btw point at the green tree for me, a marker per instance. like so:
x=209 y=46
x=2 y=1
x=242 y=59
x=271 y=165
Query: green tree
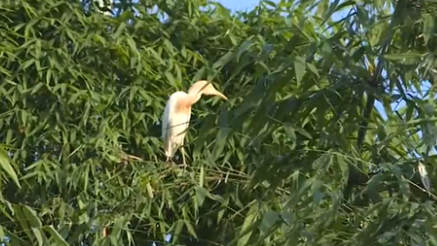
x=300 y=155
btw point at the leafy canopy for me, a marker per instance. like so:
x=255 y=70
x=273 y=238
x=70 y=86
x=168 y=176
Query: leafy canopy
x=331 y=110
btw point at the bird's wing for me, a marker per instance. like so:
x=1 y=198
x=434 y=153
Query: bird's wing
x=166 y=119
x=169 y=119
x=174 y=124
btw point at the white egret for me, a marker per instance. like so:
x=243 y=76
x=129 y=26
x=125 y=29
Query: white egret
x=177 y=113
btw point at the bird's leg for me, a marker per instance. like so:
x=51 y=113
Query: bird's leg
x=184 y=164
x=169 y=161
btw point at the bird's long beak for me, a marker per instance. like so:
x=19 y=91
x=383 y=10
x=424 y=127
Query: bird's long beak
x=217 y=93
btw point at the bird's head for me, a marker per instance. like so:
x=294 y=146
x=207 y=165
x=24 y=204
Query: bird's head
x=206 y=88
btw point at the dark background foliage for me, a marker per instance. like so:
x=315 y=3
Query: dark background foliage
x=332 y=108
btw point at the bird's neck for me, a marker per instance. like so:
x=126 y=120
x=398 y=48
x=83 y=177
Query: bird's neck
x=185 y=103
x=194 y=96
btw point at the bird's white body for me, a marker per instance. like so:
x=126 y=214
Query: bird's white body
x=174 y=123
x=177 y=113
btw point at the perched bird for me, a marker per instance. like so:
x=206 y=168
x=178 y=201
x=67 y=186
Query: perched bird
x=176 y=117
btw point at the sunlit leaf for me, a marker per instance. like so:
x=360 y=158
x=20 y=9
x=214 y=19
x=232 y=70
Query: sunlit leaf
x=7 y=167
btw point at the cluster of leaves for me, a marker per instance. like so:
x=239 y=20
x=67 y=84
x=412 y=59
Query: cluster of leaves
x=331 y=109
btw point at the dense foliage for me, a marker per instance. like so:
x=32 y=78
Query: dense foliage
x=332 y=107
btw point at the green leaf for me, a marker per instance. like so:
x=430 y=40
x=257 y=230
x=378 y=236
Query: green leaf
x=225 y=59
x=55 y=236
x=201 y=176
x=201 y=193
x=7 y=167
x=221 y=138
x=405 y=58
x=243 y=48
x=299 y=68
x=377 y=33
x=31 y=216
x=38 y=236
x=190 y=228
x=2 y=233
x=245 y=231
x=81 y=92
x=270 y=218
x=428 y=27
